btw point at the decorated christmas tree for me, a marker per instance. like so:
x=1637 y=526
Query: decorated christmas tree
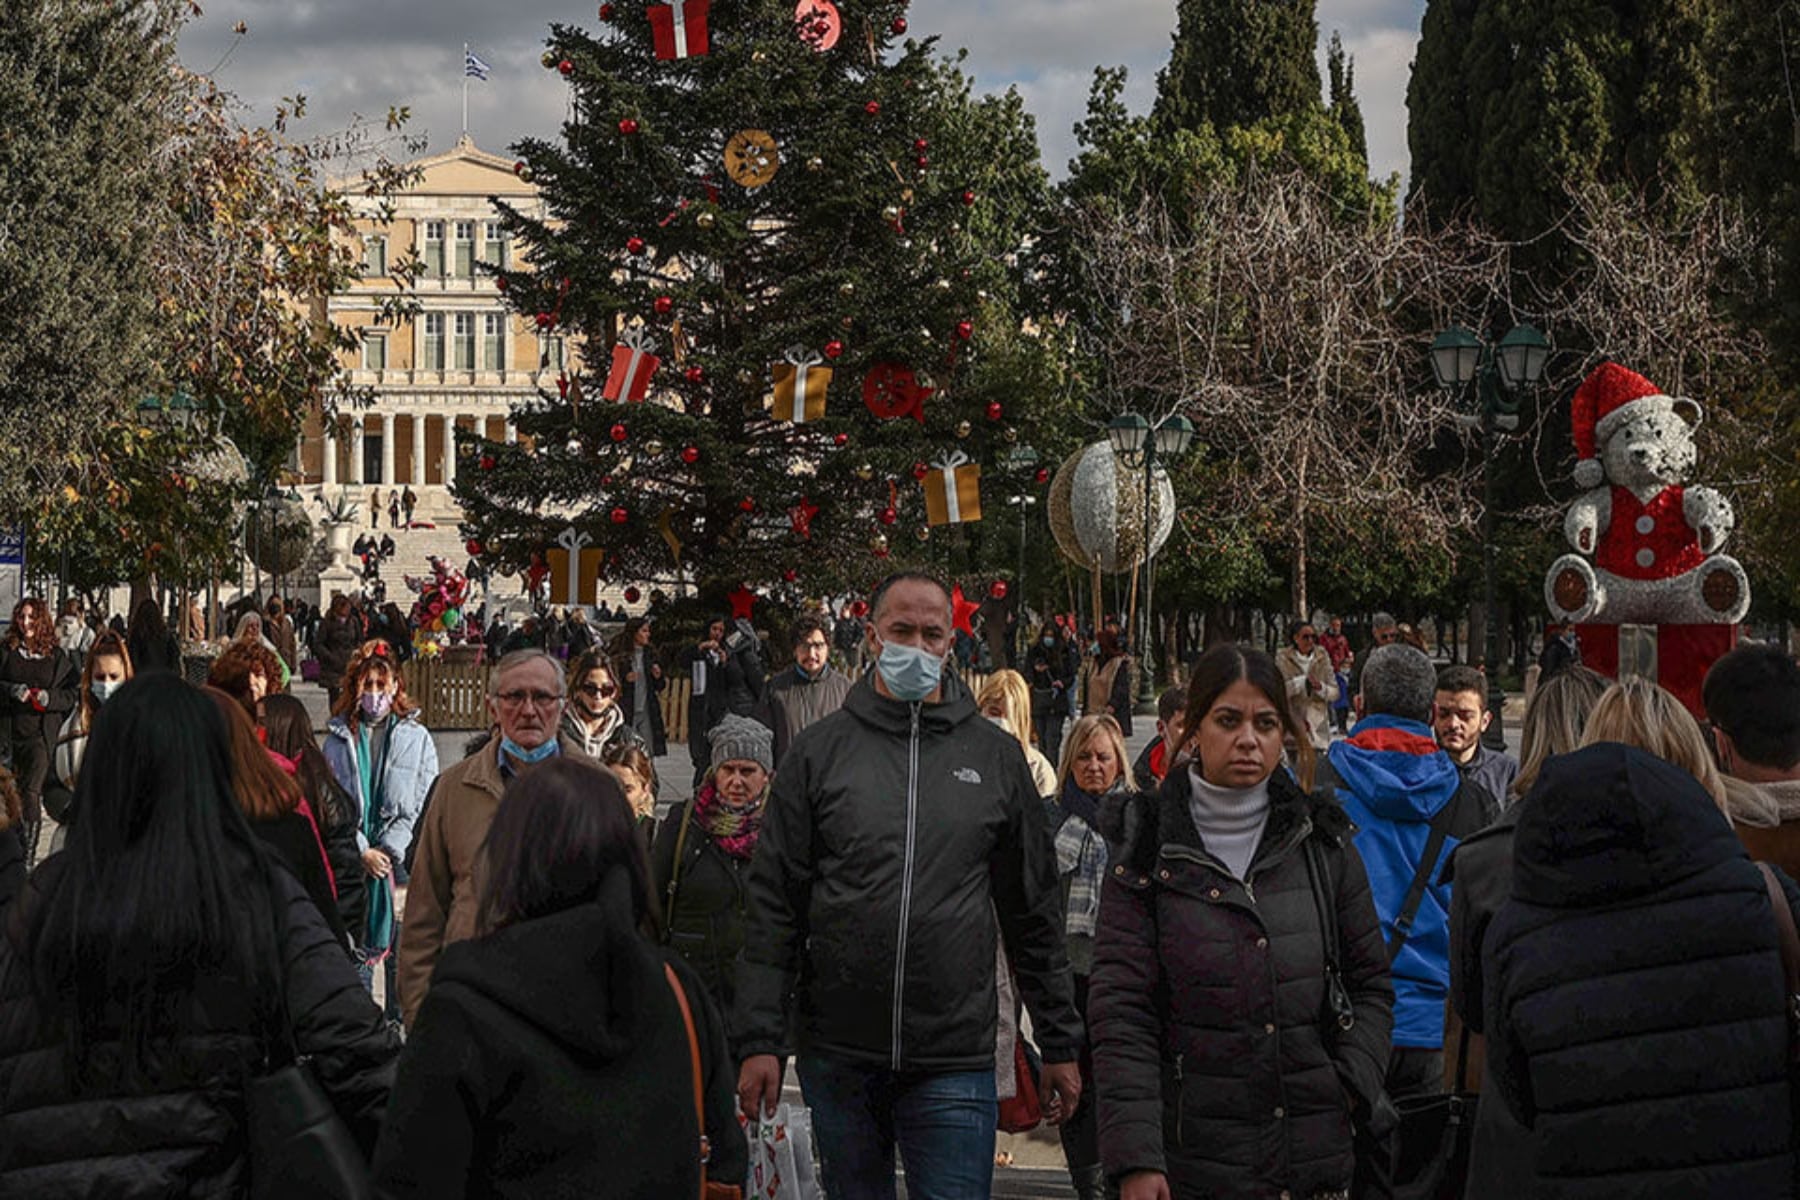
x=786 y=243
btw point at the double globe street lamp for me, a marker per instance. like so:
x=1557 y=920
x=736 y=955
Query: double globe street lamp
x=1139 y=445
x=1487 y=383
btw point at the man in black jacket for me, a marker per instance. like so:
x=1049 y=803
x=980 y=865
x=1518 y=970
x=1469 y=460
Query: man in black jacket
x=899 y=828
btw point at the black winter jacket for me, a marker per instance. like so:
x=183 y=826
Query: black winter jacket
x=181 y=1134
x=706 y=911
x=1635 y=997
x=892 y=828
x=1045 y=668
x=1207 y=999
x=550 y=1060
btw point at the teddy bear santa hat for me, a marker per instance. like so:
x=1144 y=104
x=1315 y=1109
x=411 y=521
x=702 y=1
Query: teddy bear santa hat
x=1610 y=396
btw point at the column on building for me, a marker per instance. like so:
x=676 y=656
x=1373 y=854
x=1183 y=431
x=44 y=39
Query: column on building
x=512 y=431
x=328 y=448
x=387 y=449
x=449 y=420
x=356 y=448
x=418 y=450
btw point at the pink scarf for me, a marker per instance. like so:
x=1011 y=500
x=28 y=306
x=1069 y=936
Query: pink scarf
x=734 y=827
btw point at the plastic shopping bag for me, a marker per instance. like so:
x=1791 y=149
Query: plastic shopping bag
x=781 y=1160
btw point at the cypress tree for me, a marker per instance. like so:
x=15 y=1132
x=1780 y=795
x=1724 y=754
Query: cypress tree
x=1440 y=126
x=1344 y=107
x=1237 y=62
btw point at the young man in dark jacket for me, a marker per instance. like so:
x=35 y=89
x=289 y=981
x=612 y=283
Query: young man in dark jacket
x=805 y=692
x=899 y=828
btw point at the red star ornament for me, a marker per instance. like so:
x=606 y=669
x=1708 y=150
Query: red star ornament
x=964 y=610
x=742 y=602
x=801 y=517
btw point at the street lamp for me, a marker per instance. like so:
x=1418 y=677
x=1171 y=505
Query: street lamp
x=1138 y=443
x=1486 y=381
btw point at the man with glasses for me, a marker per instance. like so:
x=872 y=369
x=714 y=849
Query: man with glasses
x=810 y=689
x=525 y=702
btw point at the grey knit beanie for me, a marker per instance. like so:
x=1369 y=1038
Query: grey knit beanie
x=741 y=738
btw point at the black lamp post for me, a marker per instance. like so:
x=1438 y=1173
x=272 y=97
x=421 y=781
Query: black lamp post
x=1141 y=445
x=1487 y=382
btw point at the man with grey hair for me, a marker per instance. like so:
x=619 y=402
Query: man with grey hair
x=525 y=703
x=1411 y=808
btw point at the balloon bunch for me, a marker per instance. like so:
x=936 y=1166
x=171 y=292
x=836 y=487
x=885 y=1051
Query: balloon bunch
x=437 y=617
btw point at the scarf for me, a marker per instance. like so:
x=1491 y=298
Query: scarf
x=1081 y=855
x=594 y=746
x=378 y=933
x=734 y=827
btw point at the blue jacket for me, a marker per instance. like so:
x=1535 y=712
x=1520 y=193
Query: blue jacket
x=1393 y=780
x=410 y=770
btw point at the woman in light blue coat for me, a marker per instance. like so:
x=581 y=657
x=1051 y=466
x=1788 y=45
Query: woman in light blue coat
x=382 y=754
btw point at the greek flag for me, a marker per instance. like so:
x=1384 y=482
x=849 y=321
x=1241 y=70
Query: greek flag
x=473 y=67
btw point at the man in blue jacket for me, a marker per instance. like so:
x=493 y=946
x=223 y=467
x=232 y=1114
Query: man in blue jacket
x=1411 y=809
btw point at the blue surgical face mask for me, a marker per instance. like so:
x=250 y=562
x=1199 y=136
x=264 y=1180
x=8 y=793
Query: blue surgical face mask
x=1048 y=640
x=528 y=756
x=103 y=689
x=910 y=673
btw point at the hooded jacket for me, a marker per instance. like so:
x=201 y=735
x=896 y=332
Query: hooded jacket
x=407 y=773
x=1393 y=781
x=1634 y=990
x=1208 y=997
x=895 y=833
x=550 y=1060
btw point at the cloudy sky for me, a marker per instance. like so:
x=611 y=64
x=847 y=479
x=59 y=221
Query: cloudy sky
x=361 y=56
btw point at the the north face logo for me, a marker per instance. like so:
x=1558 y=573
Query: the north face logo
x=967 y=774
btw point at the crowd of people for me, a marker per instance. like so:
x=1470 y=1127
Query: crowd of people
x=1240 y=964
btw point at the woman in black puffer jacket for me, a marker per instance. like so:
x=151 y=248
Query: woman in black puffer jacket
x=143 y=972
x=1635 y=1012
x=1209 y=999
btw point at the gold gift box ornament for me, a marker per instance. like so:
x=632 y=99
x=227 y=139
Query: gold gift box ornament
x=574 y=569
x=953 y=490
x=800 y=385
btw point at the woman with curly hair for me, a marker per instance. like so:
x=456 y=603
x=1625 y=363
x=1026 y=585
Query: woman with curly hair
x=12 y=850
x=38 y=687
x=247 y=672
x=380 y=752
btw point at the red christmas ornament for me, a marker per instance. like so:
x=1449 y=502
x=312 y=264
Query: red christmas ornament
x=500 y=282
x=965 y=330
x=634 y=245
x=800 y=517
x=628 y=126
x=920 y=145
x=889 y=516
x=892 y=390
x=1043 y=475
x=840 y=439
x=606 y=12
x=473 y=547
x=834 y=349
x=565 y=67
x=664 y=305
x=923 y=162
x=789 y=575
x=998 y=590
x=520 y=167
x=742 y=602
x=487 y=462
x=962 y=611
x=899 y=26
x=545 y=320
x=632 y=595
x=695 y=374
x=859 y=609
x=690 y=455
x=969 y=196
x=995 y=410
x=747 y=504
x=920 y=470
x=873 y=108
x=619 y=433
x=619 y=516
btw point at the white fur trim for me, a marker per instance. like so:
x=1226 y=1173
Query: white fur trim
x=1589 y=473
x=1603 y=428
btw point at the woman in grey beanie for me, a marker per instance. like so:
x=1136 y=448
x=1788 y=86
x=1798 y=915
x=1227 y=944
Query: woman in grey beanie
x=703 y=855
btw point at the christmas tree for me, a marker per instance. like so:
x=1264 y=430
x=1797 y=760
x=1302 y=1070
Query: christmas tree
x=787 y=244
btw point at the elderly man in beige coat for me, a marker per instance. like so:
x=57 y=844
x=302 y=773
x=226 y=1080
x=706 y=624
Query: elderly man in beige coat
x=525 y=700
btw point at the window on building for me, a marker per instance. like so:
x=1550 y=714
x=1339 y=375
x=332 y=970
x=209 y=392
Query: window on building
x=493 y=341
x=375 y=256
x=434 y=247
x=495 y=245
x=434 y=341
x=374 y=350
x=465 y=249
x=464 y=342
x=553 y=353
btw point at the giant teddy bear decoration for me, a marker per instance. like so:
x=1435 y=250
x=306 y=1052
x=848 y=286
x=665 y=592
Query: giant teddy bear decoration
x=1646 y=545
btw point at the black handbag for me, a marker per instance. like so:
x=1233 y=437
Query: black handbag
x=300 y=1148
x=1431 y=1152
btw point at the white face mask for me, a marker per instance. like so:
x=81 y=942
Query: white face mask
x=1002 y=723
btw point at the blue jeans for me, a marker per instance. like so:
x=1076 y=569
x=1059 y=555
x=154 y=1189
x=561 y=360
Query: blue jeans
x=943 y=1123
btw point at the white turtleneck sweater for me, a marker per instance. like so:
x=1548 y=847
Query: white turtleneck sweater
x=1230 y=820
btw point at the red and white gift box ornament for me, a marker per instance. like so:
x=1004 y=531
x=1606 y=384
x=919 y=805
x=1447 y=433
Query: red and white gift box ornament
x=679 y=28
x=800 y=385
x=953 y=490
x=632 y=365
x=574 y=568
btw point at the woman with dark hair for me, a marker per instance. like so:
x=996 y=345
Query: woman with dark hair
x=277 y=811
x=380 y=752
x=333 y=645
x=1109 y=687
x=1050 y=670
x=551 y=1056
x=152 y=646
x=288 y=736
x=394 y=629
x=107 y=669
x=12 y=850
x=38 y=687
x=640 y=685
x=1237 y=938
x=157 y=965
x=593 y=720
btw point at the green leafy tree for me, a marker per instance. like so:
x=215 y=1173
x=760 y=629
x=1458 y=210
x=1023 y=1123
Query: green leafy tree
x=1238 y=62
x=884 y=228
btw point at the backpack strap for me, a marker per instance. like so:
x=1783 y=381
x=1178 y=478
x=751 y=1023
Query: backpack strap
x=687 y=819
x=693 y=1041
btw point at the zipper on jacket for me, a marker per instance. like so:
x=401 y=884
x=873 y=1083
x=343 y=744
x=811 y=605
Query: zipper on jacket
x=1179 y=1090
x=906 y=878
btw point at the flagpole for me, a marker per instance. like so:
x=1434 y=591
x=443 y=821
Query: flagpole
x=465 y=79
